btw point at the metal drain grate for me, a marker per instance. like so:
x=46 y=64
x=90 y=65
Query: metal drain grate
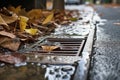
x=68 y=47
x=69 y=51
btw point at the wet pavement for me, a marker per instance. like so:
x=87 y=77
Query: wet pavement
x=105 y=64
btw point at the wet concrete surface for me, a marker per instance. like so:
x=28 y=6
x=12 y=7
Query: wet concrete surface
x=110 y=13
x=105 y=64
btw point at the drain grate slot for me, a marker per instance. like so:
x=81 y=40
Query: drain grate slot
x=68 y=47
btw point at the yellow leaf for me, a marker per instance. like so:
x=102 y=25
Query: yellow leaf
x=48 y=18
x=16 y=10
x=23 y=23
x=73 y=19
x=31 y=31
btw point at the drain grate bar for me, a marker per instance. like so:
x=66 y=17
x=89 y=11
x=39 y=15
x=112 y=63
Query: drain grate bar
x=68 y=47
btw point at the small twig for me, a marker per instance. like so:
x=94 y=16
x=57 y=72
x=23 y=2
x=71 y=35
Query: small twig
x=38 y=42
x=15 y=27
x=42 y=27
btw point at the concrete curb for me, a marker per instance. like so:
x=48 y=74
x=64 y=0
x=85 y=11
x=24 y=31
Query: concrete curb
x=84 y=63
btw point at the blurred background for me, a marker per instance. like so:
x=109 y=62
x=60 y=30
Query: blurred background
x=52 y=4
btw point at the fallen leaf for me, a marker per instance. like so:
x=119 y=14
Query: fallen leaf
x=48 y=18
x=9 y=59
x=23 y=23
x=4 y=39
x=2 y=22
x=31 y=31
x=34 y=13
x=15 y=10
x=24 y=37
x=23 y=12
x=14 y=58
x=4 y=33
x=9 y=19
x=12 y=44
x=19 y=55
x=45 y=13
x=41 y=27
x=49 y=48
x=73 y=19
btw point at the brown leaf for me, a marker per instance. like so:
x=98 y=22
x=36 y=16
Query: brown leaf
x=46 y=13
x=49 y=48
x=15 y=10
x=8 y=59
x=9 y=19
x=35 y=13
x=19 y=55
x=12 y=44
x=4 y=39
x=2 y=22
x=4 y=33
x=23 y=12
x=13 y=58
x=24 y=36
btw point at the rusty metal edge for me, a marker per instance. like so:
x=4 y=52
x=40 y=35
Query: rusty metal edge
x=80 y=49
x=84 y=63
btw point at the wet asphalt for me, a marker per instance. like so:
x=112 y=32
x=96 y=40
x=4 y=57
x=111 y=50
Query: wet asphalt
x=105 y=62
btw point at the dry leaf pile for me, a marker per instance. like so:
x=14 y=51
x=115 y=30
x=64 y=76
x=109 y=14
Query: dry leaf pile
x=18 y=26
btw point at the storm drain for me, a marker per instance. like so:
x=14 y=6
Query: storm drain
x=66 y=50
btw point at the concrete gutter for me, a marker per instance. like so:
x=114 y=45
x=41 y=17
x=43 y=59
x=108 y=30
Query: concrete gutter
x=84 y=63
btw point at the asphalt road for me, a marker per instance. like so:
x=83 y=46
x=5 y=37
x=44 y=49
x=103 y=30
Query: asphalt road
x=105 y=64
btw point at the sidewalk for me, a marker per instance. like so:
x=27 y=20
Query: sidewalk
x=105 y=64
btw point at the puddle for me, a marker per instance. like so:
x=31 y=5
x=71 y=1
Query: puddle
x=36 y=71
x=30 y=71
